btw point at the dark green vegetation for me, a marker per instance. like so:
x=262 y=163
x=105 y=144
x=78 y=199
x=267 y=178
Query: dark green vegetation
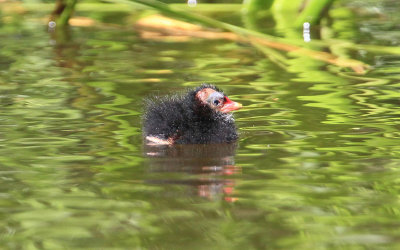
x=316 y=166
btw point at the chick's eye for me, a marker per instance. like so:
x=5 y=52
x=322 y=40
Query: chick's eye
x=216 y=102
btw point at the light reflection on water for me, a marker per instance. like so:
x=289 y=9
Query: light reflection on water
x=206 y=163
x=316 y=165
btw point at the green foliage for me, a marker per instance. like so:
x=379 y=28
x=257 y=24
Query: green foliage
x=313 y=12
x=63 y=12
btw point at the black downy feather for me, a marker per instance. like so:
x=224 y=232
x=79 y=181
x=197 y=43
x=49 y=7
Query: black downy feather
x=188 y=121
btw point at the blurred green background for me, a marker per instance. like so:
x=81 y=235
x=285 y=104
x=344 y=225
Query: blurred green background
x=316 y=165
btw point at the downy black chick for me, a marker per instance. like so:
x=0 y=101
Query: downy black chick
x=200 y=116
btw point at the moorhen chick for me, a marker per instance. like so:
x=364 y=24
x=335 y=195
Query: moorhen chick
x=198 y=117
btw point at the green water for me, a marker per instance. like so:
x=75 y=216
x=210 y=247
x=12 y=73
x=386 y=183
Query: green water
x=316 y=166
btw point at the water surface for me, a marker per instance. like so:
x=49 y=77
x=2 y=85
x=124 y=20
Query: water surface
x=316 y=166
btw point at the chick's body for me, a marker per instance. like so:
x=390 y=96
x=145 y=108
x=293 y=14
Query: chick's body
x=188 y=120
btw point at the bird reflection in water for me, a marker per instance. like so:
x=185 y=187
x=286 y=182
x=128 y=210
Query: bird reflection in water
x=211 y=167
